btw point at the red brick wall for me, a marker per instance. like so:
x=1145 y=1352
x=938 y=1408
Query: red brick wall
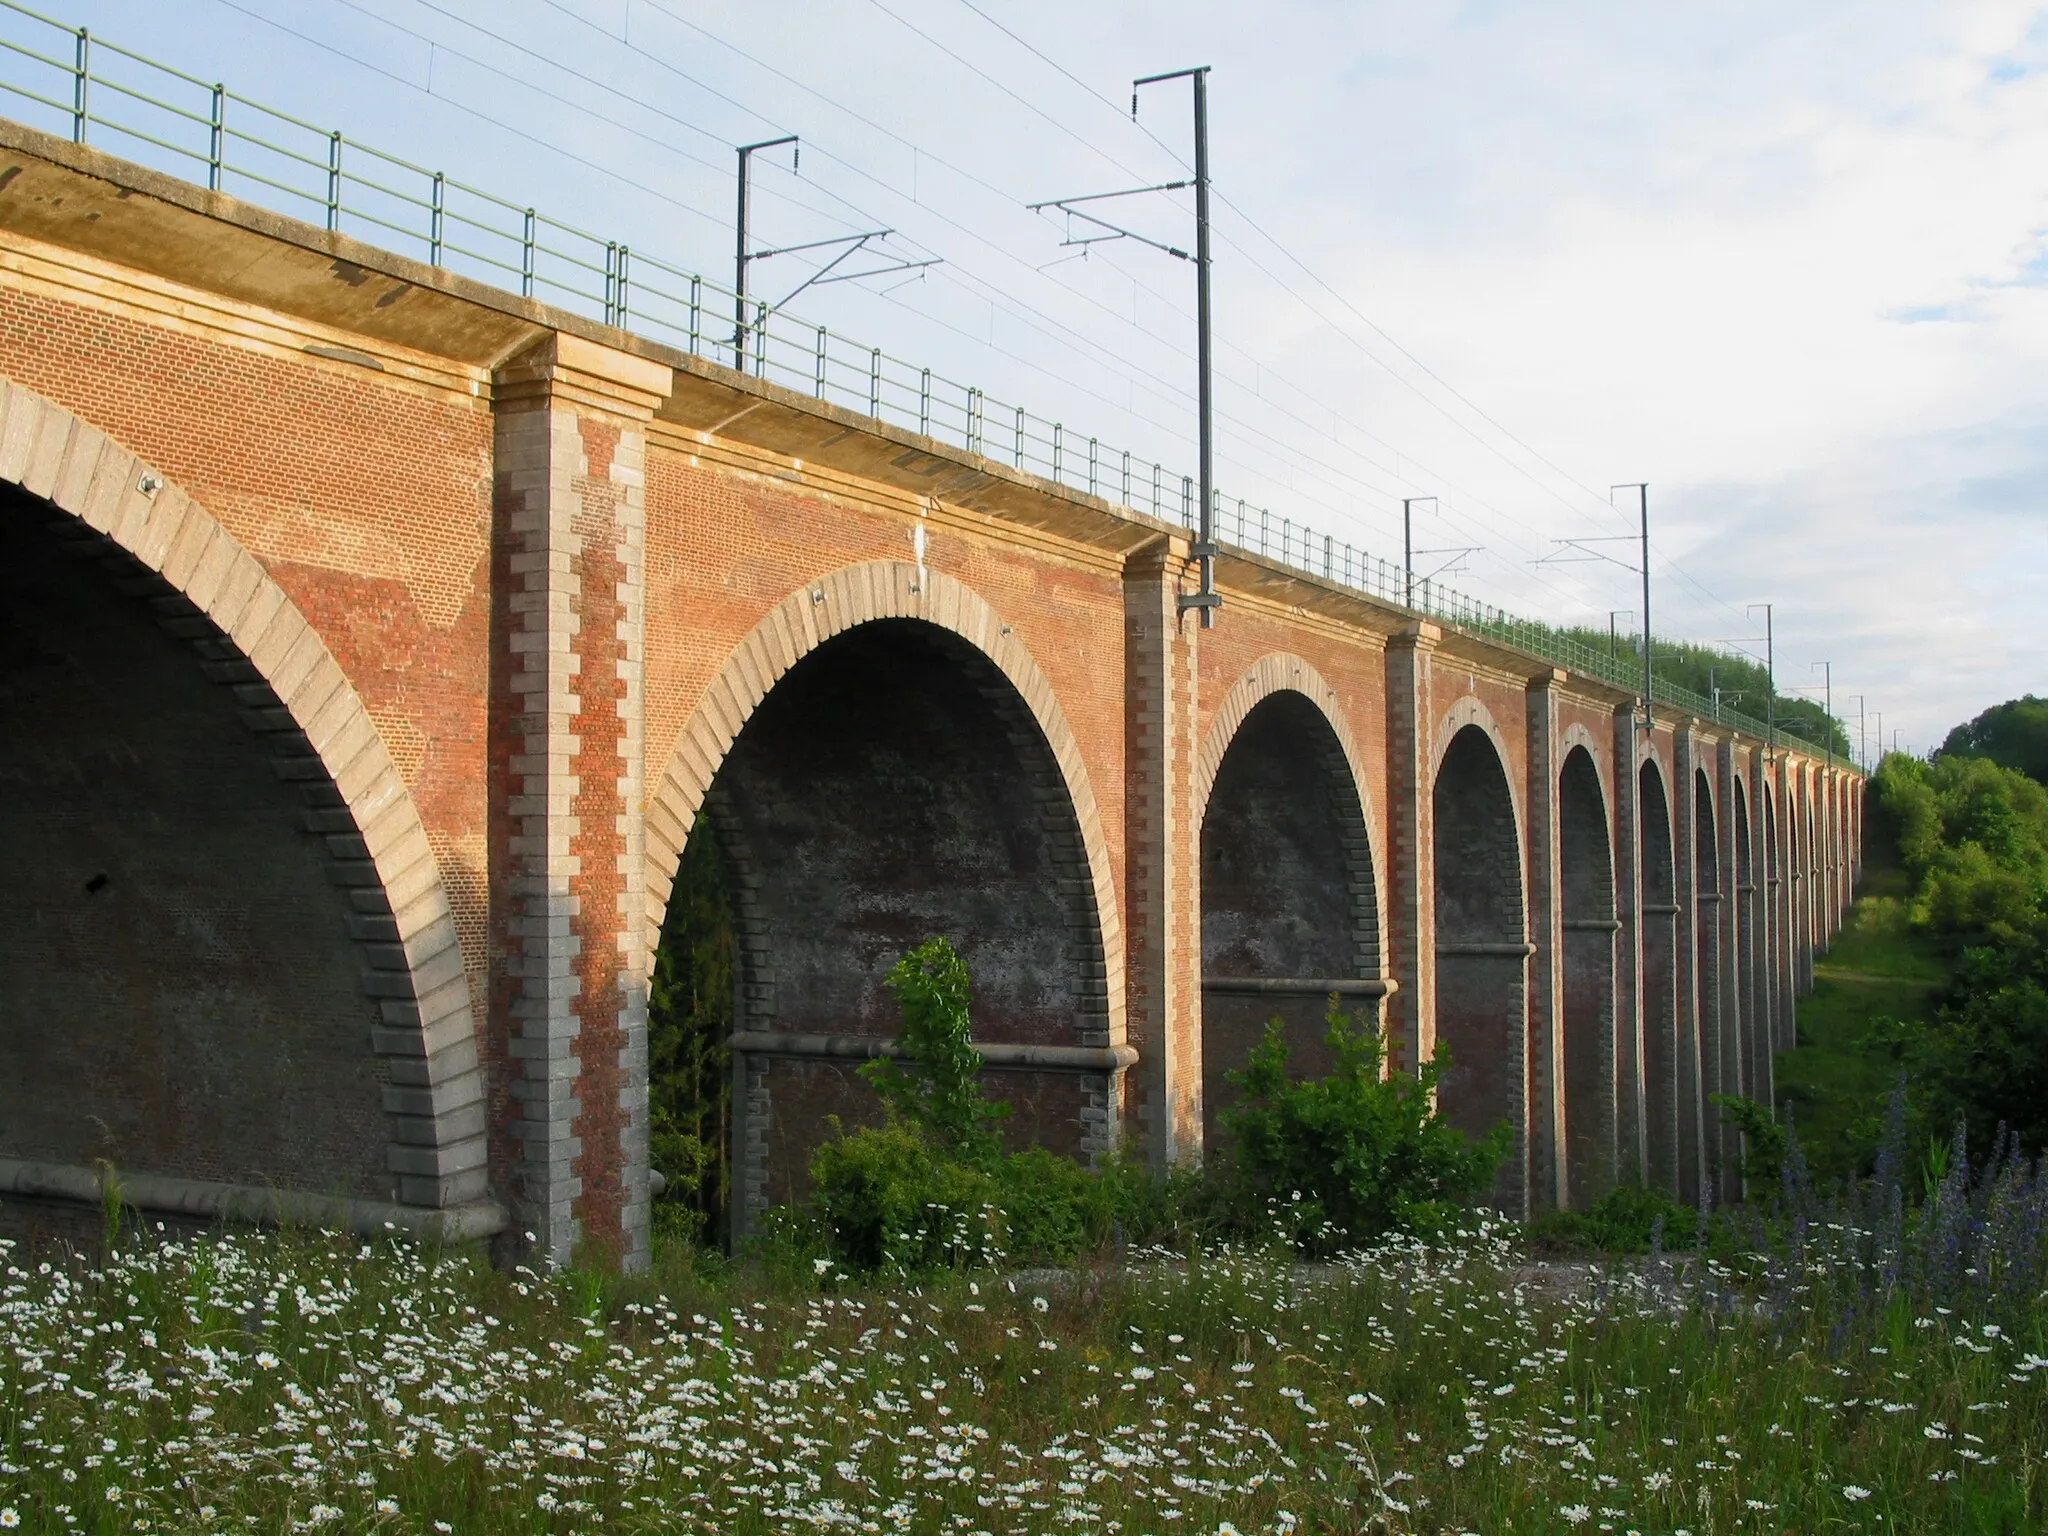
x=368 y=502
x=724 y=546
x=598 y=841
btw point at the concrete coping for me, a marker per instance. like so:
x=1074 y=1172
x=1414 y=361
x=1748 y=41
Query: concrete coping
x=994 y=1053
x=1302 y=986
x=205 y=1200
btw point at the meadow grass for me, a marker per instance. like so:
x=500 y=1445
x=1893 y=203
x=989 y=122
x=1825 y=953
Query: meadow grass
x=283 y=1382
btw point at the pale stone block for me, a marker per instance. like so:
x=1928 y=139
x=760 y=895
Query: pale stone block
x=285 y=629
x=19 y=410
x=46 y=452
x=82 y=455
x=181 y=561
x=293 y=664
x=239 y=583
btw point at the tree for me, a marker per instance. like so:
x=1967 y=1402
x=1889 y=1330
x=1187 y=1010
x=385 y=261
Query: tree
x=2013 y=734
x=1974 y=836
x=935 y=1085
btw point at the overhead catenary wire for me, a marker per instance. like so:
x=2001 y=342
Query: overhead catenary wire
x=1501 y=524
x=1107 y=355
x=1593 y=497
x=1333 y=474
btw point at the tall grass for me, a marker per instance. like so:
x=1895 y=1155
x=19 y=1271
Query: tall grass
x=1865 y=1368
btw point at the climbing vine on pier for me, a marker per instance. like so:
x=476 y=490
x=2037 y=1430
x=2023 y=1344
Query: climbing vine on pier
x=689 y=1063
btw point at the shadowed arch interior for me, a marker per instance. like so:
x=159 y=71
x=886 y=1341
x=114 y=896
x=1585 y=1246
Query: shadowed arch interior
x=1660 y=977
x=893 y=786
x=1586 y=873
x=1709 y=1054
x=1288 y=906
x=1753 y=1056
x=1482 y=951
x=181 y=977
x=1774 y=916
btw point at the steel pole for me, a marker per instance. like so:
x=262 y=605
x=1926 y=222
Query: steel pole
x=1770 y=685
x=740 y=256
x=1649 y=646
x=739 y=269
x=1205 y=550
x=1408 y=547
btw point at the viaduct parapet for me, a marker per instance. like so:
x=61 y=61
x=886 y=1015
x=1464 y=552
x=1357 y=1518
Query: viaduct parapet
x=373 y=642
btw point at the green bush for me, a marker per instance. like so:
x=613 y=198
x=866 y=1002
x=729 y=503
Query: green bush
x=931 y=1190
x=1344 y=1158
x=887 y=1200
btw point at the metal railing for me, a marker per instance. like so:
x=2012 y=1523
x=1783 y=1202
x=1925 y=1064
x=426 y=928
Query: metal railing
x=78 y=82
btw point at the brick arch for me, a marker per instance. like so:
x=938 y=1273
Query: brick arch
x=221 y=597
x=1577 y=735
x=805 y=620
x=1289 y=883
x=1469 y=711
x=1282 y=672
x=1587 y=930
x=1647 y=756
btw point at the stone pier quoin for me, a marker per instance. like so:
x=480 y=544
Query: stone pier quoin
x=396 y=636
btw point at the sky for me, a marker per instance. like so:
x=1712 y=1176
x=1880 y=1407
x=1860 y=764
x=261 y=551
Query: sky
x=1787 y=265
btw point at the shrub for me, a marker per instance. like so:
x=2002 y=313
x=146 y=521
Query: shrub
x=1344 y=1158
x=1629 y=1219
x=888 y=1200
x=1053 y=1209
x=931 y=1189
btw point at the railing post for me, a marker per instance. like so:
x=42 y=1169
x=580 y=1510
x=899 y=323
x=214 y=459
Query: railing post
x=611 y=279
x=761 y=339
x=216 y=138
x=625 y=319
x=875 y=382
x=1020 y=437
x=1155 y=487
x=973 y=420
x=1187 y=502
x=334 y=180
x=81 y=100
x=1091 y=466
x=924 y=404
x=434 y=222
x=821 y=363
x=526 y=256
x=1126 y=499
x=1059 y=434
x=696 y=312
x=1329 y=546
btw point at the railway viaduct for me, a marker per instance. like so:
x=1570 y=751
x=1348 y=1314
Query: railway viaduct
x=372 y=641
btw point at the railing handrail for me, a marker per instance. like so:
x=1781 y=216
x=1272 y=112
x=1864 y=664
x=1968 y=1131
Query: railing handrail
x=638 y=290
